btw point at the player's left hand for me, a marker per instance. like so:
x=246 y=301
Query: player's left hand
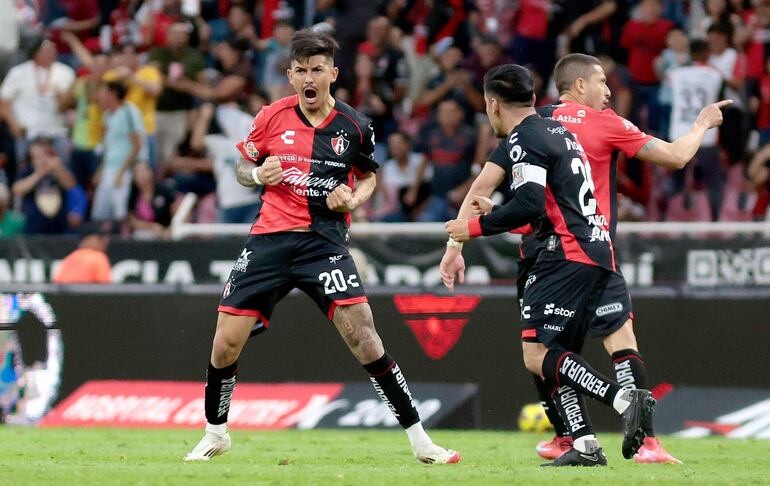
x=481 y=205
x=458 y=230
x=341 y=199
x=711 y=115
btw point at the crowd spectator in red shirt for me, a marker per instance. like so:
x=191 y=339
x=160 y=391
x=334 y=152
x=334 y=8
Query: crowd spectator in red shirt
x=158 y=23
x=645 y=38
x=82 y=19
x=532 y=44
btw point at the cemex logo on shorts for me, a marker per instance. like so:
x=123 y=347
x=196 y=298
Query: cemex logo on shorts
x=609 y=309
x=557 y=311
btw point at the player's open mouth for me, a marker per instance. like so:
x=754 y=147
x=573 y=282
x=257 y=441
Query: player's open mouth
x=311 y=94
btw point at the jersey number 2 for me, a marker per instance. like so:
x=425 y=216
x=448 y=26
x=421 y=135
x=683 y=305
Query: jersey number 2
x=587 y=201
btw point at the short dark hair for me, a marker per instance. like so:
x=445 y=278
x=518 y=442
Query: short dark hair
x=699 y=50
x=571 y=67
x=405 y=136
x=307 y=43
x=721 y=28
x=117 y=87
x=511 y=83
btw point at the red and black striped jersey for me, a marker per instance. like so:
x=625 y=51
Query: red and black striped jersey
x=314 y=160
x=574 y=228
x=601 y=135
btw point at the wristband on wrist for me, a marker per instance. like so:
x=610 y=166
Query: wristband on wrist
x=450 y=243
x=255 y=176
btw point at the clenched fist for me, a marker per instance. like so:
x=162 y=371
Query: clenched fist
x=458 y=230
x=481 y=205
x=341 y=199
x=270 y=172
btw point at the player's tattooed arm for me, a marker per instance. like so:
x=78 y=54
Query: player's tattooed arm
x=243 y=173
x=649 y=146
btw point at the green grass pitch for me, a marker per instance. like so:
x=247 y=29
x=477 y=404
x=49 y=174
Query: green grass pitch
x=325 y=457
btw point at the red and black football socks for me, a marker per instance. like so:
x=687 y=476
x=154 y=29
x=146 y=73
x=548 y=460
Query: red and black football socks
x=572 y=409
x=220 y=384
x=544 y=393
x=390 y=385
x=566 y=368
x=630 y=372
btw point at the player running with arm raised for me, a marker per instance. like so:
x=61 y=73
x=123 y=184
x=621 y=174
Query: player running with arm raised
x=307 y=150
x=602 y=133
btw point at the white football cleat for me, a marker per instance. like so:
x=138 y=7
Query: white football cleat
x=434 y=454
x=210 y=445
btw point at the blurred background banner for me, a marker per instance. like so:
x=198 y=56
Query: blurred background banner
x=394 y=261
x=738 y=413
x=159 y=333
x=259 y=406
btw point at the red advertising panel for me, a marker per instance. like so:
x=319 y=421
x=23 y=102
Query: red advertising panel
x=161 y=404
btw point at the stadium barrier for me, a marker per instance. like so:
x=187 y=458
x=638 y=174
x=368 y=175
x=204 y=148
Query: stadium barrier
x=164 y=332
x=740 y=263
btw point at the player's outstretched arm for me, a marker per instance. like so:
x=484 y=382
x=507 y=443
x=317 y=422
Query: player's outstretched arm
x=452 y=263
x=676 y=154
x=528 y=204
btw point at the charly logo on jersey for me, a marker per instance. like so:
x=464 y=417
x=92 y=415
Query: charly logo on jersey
x=288 y=137
x=340 y=143
x=251 y=150
x=335 y=258
x=243 y=261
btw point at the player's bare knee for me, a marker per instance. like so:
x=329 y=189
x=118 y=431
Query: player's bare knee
x=225 y=350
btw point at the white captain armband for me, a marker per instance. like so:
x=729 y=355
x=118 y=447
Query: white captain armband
x=524 y=172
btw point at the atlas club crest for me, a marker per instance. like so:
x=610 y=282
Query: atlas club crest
x=340 y=143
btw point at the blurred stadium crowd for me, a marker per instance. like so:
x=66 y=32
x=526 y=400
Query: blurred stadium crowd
x=112 y=109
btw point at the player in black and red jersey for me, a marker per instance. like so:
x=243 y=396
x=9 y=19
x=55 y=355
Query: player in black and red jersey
x=553 y=191
x=313 y=156
x=602 y=134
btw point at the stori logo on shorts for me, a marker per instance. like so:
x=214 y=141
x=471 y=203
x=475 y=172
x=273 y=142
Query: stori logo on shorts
x=558 y=311
x=609 y=309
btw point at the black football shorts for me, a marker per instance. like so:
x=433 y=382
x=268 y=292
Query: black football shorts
x=271 y=265
x=606 y=315
x=557 y=301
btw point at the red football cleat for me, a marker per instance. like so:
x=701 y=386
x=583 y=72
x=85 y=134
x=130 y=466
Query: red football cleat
x=554 y=448
x=652 y=452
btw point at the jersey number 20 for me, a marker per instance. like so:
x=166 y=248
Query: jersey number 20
x=587 y=201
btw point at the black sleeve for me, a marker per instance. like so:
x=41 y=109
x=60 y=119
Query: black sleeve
x=365 y=161
x=528 y=204
x=499 y=156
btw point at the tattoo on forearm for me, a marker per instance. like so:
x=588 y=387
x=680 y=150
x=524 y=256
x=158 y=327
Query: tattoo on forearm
x=649 y=145
x=243 y=173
